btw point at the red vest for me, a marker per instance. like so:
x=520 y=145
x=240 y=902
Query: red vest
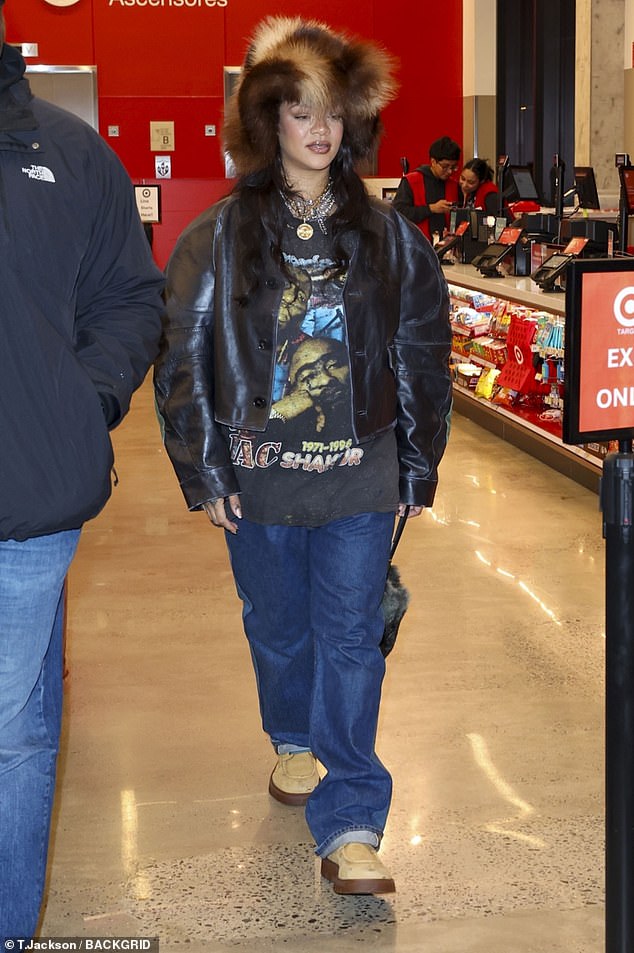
x=416 y=182
x=484 y=189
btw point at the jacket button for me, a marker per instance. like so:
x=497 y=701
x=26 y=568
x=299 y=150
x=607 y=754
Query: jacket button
x=259 y=402
x=264 y=345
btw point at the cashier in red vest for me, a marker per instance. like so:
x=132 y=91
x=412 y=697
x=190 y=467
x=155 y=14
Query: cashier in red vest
x=477 y=188
x=427 y=195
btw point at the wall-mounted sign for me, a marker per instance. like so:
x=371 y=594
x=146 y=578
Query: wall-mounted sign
x=599 y=352
x=162 y=136
x=61 y=3
x=163 y=167
x=148 y=202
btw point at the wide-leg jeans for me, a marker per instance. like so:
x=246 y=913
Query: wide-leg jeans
x=32 y=577
x=312 y=615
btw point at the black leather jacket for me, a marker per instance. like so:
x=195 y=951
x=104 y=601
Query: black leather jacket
x=217 y=354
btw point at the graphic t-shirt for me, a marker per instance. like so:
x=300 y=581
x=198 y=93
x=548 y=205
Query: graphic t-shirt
x=306 y=468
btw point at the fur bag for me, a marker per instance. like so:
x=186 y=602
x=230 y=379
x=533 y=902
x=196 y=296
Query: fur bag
x=394 y=605
x=395 y=596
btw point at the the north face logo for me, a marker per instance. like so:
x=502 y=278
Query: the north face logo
x=39 y=172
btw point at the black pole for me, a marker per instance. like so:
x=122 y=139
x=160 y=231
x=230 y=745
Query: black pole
x=623 y=218
x=557 y=181
x=500 y=176
x=617 y=503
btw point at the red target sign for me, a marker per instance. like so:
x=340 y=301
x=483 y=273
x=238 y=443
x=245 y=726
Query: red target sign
x=624 y=307
x=599 y=396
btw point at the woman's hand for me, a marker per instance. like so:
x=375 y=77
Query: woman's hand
x=413 y=510
x=217 y=513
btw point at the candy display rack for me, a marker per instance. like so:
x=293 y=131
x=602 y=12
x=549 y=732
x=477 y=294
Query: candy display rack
x=507 y=358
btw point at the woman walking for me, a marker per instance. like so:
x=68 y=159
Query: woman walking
x=304 y=389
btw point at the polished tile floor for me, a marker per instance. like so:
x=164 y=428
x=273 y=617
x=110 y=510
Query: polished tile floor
x=492 y=725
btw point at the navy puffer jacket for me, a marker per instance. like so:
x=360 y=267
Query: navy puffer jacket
x=80 y=304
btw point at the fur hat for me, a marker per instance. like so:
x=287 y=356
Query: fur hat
x=294 y=60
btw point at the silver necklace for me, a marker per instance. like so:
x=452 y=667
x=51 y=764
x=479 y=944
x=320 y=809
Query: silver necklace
x=315 y=210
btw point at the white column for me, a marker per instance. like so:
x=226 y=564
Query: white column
x=583 y=80
x=601 y=37
x=479 y=28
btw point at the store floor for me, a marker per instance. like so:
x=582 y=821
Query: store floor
x=491 y=725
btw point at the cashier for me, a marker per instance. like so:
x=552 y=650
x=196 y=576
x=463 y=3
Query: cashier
x=477 y=188
x=427 y=195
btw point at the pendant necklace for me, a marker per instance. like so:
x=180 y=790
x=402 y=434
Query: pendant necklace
x=316 y=210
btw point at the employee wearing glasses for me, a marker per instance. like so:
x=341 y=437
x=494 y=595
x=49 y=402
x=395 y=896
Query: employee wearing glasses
x=426 y=195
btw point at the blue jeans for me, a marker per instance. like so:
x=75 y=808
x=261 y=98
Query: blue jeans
x=312 y=615
x=32 y=577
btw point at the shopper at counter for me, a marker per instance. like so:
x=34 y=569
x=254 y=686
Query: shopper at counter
x=80 y=305
x=427 y=195
x=304 y=388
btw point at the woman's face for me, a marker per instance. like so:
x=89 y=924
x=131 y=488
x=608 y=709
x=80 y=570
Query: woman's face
x=469 y=181
x=309 y=141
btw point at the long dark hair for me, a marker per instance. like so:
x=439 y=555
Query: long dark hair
x=262 y=219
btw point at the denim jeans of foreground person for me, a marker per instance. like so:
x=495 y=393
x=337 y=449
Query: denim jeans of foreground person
x=32 y=577
x=312 y=615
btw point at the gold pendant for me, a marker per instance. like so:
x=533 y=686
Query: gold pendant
x=304 y=231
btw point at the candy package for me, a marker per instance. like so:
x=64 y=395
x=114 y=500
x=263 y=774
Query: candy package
x=486 y=382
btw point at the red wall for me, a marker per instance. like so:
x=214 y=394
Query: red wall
x=158 y=63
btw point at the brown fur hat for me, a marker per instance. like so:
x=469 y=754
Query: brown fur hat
x=294 y=60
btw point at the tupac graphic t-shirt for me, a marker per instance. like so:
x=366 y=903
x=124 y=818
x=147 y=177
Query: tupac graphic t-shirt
x=306 y=468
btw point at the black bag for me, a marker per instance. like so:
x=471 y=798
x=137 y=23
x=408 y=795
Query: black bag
x=395 y=597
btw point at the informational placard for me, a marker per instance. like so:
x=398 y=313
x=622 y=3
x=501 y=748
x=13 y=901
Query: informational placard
x=509 y=235
x=148 y=202
x=162 y=136
x=163 y=167
x=599 y=351
x=576 y=245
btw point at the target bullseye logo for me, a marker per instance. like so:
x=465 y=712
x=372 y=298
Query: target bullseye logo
x=61 y=3
x=624 y=307
x=519 y=354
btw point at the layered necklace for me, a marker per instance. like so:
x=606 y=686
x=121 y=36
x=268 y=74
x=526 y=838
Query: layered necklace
x=311 y=210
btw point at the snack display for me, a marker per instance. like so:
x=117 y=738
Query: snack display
x=510 y=355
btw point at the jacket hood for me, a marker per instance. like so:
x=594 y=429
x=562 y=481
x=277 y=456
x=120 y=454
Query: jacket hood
x=16 y=114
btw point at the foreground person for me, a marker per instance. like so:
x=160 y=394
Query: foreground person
x=80 y=302
x=304 y=388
